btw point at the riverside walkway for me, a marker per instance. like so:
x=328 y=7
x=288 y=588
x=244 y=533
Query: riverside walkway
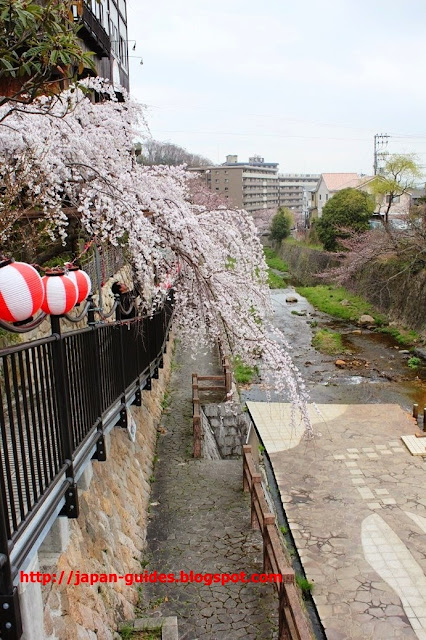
x=356 y=506
x=200 y=522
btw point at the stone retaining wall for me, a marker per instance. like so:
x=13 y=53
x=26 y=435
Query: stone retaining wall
x=109 y=535
x=230 y=426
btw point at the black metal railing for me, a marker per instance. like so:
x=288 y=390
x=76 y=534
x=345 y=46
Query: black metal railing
x=58 y=396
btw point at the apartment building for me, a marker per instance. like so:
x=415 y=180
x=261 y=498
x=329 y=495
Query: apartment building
x=251 y=185
x=103 y=30
x=295 y=193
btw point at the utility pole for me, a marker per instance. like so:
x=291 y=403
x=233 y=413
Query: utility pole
x=380 y=144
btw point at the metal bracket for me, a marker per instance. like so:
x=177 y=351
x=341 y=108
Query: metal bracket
x=123 y=417
x=71 y=507
x=100 y=453
x=161 y=363
x=165 y=347
x=155 y=375
x=10 y=616
x=138 y=398
x=148 y=385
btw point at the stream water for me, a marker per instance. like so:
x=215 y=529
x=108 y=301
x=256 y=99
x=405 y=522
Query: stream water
x=375 y=369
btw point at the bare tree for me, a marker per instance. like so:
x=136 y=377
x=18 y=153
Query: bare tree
x=154 y=152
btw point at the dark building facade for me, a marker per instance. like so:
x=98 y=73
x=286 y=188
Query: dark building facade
x=103 y=30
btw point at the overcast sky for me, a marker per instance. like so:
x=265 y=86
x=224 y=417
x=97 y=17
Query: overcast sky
x=306 y=84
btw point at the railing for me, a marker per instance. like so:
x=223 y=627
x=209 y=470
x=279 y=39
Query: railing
x=226 y=387
x=292 y=621
x=59 y=396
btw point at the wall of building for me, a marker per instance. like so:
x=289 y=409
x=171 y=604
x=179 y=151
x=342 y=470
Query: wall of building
x=109 y=535
x=322 y=195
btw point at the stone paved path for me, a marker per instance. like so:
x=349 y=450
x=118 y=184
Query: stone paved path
x=200 y=521
x=356 y=505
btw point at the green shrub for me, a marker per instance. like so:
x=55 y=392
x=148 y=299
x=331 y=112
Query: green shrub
x=414 y=362
x=281 y=224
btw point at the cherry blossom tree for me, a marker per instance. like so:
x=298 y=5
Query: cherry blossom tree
x=76 y=155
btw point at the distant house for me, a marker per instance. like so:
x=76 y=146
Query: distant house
x=330 y=183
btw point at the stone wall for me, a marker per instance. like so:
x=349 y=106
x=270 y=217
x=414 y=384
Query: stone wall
x=229 y=424
x=109 y=535
x=209 y=448
x=305 y=264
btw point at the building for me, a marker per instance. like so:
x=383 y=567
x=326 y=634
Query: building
x=103 y=30
x=328 y=185
x=251 y=185
x=295 y=193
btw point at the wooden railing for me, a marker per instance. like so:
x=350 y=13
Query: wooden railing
x=293 y=624
x=226 y=387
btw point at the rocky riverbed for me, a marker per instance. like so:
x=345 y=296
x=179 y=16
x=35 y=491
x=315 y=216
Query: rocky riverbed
x=372 y=369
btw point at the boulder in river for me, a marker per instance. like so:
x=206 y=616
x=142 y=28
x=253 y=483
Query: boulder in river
x=291 y=299
x=340 y=363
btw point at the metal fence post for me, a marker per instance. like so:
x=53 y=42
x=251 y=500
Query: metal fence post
x=10 y=613
x=71 y=509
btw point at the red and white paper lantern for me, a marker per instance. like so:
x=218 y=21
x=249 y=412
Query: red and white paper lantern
x=60 y=293
x=81 y=281
x=21 y=291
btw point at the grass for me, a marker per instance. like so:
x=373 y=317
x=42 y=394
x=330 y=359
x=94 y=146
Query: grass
x=303 y=243
x=276 y=282
x=414 y=362
x=129 y=633
x=404 y=337
x=283 y=530
x=328 y=299
x=328 y=342
x=244 y=374
x=304 y=585
x=273 y=261
x=165 y=402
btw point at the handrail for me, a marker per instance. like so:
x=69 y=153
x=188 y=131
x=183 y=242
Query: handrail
x=292 y=621
x=59 y=397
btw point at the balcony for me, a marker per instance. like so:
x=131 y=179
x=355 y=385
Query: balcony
x=91 y=31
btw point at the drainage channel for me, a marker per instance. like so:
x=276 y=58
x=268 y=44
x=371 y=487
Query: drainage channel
x=311 y=609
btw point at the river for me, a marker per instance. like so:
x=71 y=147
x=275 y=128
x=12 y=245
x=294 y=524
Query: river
x=375 y=369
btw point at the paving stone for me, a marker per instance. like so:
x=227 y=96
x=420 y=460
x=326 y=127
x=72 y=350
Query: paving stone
x=375 y=562
x=201 y=504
